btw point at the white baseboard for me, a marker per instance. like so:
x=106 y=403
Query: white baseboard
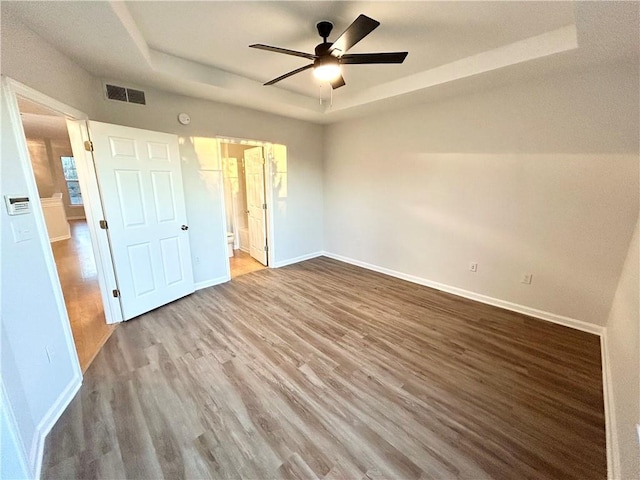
x=61 y=237
x=478 y=297
x=212 y=282
x=613 y=452
x=301 y=258
x=48 y=421
x=14 y=433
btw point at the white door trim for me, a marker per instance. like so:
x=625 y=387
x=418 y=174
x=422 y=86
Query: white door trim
x=91 y=196
x=271 y=201
x=11 y=88
x=24 y=91
x=268 y=183
x=78 y=134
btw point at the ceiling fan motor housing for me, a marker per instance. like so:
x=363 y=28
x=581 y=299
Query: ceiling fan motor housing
x=330 y=55
x=322 y=49
x=324 y=29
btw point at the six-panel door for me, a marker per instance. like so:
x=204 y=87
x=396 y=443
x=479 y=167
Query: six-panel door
x=140 y=180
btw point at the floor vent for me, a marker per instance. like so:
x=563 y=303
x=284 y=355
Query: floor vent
x=122 y=94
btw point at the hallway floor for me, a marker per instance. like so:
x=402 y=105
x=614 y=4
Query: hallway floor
x=79 y=279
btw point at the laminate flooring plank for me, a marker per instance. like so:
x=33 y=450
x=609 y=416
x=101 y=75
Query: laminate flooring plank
x=79 y=281
x=323 y=370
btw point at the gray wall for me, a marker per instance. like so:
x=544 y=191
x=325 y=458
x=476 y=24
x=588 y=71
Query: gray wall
x=297 y=219
x=27 y=58
x=38 y=363
x=623 y=346
x=538 y=177
x=33 y=384
x=31 y=321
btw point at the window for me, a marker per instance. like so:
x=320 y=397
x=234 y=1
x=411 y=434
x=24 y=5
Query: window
x=71 y=176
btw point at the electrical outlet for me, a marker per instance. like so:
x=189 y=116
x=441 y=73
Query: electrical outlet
x=198 y=260
x=526 y=278
x=473 y=267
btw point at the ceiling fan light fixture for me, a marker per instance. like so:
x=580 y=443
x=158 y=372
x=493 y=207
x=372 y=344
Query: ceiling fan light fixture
x=329 y=56
x=326 y=68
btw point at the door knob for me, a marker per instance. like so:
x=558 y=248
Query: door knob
x=184 y=227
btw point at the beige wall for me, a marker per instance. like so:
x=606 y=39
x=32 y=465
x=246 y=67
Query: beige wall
x=538 y=177
x=623 y=346
x=39 y=151
x=45 y=156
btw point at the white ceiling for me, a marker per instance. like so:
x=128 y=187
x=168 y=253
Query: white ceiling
x=201 y=48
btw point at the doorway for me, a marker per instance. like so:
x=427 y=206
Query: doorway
x=58 y=185
x=246 y=209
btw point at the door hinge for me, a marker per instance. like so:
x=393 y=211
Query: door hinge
x=88 y=146
x=266 y=249
x=116 y=293
x=264 y=206
x=104 y=225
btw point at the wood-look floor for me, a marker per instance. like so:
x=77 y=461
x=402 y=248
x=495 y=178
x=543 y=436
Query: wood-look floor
x=79 y=280
x=325 y=370
x=242 y=263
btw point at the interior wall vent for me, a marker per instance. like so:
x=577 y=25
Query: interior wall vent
x=122 y=94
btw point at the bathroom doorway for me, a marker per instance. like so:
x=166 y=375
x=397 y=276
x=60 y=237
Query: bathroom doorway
x=246 y=209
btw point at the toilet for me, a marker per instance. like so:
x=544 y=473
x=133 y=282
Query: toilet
x=230 y=244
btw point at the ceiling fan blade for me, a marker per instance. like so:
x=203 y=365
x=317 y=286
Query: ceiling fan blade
x=338 y=82
x=287 y=75
x=360 y=28
x=269 y=48
x=363 y=58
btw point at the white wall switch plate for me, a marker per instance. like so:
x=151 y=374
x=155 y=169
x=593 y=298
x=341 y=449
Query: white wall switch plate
x=21 y=232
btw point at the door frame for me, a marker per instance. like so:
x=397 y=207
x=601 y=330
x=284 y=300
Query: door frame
x=268 y=186
x=78 y=134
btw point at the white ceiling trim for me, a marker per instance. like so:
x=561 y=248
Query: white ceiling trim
x=198 y=48
x=124 y=15
x=561 y=40
x=225 y=85
x=222 y=84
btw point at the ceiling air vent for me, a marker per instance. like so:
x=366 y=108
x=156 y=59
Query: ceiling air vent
x=136 y=96
x=122 y=94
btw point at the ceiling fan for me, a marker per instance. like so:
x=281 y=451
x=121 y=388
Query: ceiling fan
x=329 y=56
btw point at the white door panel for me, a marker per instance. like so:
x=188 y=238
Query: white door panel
x=254 y=176
x=140 y=181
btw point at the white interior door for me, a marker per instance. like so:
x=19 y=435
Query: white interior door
x=141 y=187
x=254 y=176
